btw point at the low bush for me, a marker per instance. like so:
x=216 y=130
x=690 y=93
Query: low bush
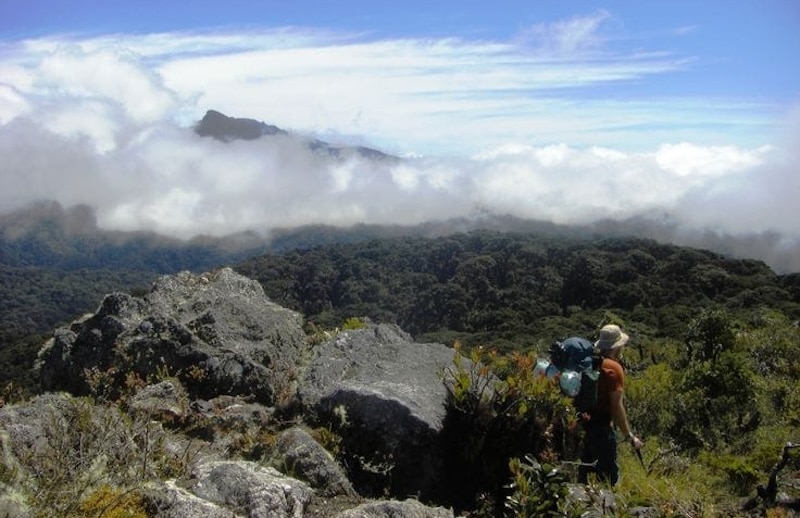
x=497 y=408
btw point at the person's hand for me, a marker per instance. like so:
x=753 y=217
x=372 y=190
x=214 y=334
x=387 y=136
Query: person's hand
x=636 y=442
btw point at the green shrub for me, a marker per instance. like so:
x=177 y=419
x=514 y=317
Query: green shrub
x=328 y=439
x=709 y=335
x=650 y=395
x=353 y=323
x=740 y=475
x=674 y=485
x=773 y=345
x=715 y=387
x=536 y=489
x=498 y=410
x=716 y=402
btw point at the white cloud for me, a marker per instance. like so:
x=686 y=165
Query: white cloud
x=412 y=96
x=569 y=37
x=685 y=159
x=408 y=93
x=115 y=75
x=105 y=121
x=86 y=119
x=757 y=199
x=171 y=181
x=12 y=103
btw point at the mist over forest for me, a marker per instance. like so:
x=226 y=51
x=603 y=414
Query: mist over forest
x=172 y=181
x=447 y=130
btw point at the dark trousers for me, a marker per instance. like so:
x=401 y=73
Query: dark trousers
x=600 y=446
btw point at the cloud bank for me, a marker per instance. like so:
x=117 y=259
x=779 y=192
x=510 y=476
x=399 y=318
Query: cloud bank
x=482 y=126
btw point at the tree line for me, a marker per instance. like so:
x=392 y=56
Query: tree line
x=515 y=289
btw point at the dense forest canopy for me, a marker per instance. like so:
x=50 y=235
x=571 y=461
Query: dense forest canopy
x=507 y=288
x=511 y=290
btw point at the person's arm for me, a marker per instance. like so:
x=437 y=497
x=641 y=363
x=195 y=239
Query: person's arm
x=620 y=418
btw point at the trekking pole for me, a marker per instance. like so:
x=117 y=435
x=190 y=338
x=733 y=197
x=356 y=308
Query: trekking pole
x=639 y=454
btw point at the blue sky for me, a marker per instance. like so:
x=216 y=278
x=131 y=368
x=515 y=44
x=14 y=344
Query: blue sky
x=738 y=40
x=720 y=71
x=559 y=110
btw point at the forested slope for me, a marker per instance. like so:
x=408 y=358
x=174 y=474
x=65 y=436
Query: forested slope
x=513 y=290
x=712 y=361
x=509 y=290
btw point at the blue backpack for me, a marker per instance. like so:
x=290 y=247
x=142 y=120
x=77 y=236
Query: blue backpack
x=578 y=363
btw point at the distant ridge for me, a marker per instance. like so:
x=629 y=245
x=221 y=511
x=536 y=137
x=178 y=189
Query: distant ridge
x=47 y=234
x=221 y=127
x=226 y=129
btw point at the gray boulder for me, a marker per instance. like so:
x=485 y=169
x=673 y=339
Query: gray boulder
x=299 y=454
x=250 y=489
x=216 y=332
x=165 y=499
x=396 y=509
x=384 y=395
x=164 y=400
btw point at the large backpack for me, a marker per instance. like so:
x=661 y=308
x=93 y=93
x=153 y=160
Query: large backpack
x=577 y=359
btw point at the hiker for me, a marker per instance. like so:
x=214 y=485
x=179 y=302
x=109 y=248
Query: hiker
x=600 y=443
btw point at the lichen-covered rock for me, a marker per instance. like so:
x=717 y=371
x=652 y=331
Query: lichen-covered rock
x=250 y=489
x=299 y=454
x=165 y=499
x=217 y=332
x=165 y=400
x=396 y=509
x=384 y=394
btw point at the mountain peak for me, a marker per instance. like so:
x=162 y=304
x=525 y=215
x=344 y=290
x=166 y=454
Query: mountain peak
x=221 y=127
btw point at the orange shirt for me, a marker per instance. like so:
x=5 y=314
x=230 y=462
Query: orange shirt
x=612 y=379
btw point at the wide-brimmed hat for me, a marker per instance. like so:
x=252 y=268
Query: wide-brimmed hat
x=611 y=337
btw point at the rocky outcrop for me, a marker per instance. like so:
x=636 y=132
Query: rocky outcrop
x=385 y=395
x=88 y=447
x=230 y=488
x=168 y=500
x=165 y=401
x=210 y=360
x=251 y=489
x=224 y=410
x=218 y=333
